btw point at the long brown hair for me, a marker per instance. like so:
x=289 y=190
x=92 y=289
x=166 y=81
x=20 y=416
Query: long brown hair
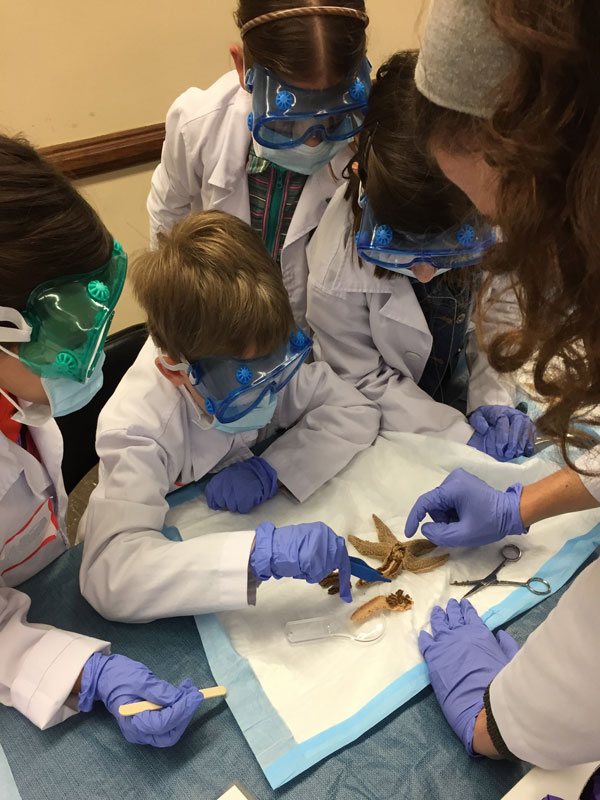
x=304 y=48
x=47 y=229
x=406 y=190
x=544 y=142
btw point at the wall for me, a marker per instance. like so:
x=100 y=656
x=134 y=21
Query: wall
x=81 y=69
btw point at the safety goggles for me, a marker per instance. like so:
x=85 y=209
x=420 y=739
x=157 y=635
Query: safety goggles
x=232 y=387
x=286 y=116
x=61 y=332
x=460 y=246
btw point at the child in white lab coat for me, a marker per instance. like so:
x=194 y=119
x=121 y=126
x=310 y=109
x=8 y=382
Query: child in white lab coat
x=384 y=317
x=269 y=140
x=62 y=275
x=222 y=373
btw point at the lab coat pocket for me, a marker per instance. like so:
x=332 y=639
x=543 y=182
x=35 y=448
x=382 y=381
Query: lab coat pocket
x=35 y=545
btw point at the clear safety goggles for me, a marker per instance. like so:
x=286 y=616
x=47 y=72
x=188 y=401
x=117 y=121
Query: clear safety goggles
x=61 y=332
x=461 y=246
x=285 y=116
x=232 y=387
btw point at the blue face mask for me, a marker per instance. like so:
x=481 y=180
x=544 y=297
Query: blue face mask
x=260 y=416
x=303 y=158
x=66 y=396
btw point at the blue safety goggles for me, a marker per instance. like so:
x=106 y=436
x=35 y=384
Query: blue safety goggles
x=460 y=246
x=285 y=116
x=232 y=387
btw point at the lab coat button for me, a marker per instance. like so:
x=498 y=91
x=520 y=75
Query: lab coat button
x=416 y=356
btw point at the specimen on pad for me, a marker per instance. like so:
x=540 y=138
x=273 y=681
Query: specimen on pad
x=396 y=556
x=397 y=601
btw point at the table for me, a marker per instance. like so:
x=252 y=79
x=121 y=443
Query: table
x=412 y=754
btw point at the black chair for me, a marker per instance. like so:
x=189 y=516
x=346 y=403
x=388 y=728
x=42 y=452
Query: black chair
x=79 y=428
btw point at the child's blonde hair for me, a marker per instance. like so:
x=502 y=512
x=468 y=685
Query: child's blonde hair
x=211 y=288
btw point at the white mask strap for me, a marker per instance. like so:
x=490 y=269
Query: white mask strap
x=11 y=400
x=22 y=333
x=181 y=367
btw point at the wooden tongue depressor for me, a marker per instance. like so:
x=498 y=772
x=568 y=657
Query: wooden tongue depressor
x=129 y=709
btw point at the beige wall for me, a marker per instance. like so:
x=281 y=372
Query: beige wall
x=81 y=69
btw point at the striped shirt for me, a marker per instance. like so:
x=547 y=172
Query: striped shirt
x=274 y=194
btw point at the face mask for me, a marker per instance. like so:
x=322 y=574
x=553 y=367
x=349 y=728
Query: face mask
x=67 y=396
x=64 y=396
x=303 y=158
x=254 y=420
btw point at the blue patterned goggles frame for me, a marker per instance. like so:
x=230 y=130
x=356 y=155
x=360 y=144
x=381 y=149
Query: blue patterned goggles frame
x=232 y=387
x=285 y=116
x=461 y=246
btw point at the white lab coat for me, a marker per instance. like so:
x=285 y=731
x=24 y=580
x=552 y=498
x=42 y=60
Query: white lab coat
x=38 y=664
x=203 y=167
x=373 y=333
x=149 y=445
x=546 y=702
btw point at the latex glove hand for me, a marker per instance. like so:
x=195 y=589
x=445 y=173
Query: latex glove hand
x=309 y=552
x=466 y=512
x=502 y=432
x=242 y=486
x=463 y=657
x=117 y=679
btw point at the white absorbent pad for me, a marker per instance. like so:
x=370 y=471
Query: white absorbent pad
x=298 y=703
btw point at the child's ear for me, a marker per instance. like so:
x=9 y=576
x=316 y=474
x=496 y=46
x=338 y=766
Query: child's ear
x=237 y=54
x=176 y=378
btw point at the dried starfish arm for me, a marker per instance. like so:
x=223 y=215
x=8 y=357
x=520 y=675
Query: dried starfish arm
x=369 y=608
x=418 y=547
x=384 y=534
x=397 y=601
x=371 y=549
x=420 y=565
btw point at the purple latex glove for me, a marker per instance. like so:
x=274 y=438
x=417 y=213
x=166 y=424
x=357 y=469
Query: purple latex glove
x=466 y=512
x=242 y=486
x=309 y=552
x=502 y=432
x=116 y=680
x=463 y=657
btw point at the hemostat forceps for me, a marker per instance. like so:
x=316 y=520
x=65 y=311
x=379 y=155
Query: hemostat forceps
x=509 y=552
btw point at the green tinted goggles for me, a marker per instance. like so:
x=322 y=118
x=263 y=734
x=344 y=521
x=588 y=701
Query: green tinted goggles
x=66 y=320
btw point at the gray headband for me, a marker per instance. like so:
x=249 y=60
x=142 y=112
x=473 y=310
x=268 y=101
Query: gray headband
x=462 y=60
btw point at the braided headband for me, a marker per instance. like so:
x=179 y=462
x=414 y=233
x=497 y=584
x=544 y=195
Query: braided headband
x=305 y=11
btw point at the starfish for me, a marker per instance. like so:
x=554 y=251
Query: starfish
x=397 y=555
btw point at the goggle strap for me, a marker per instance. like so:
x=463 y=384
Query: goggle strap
x=22 y=333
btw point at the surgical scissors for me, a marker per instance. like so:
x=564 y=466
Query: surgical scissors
x=509 y=552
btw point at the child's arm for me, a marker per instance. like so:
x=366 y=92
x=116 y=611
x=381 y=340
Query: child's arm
x=343 y=338
x=332 y=422
x=39 y=665
x=175 y=180
x=130 y=571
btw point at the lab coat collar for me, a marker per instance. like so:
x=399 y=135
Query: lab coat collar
x=315 y=196
x=403 y=305
x=14 y=459
x=228 y=177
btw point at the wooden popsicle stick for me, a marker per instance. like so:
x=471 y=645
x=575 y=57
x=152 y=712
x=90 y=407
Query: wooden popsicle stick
x=129 y=709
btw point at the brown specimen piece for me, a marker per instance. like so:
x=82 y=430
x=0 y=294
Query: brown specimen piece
x=397 y=601
x=396 y=555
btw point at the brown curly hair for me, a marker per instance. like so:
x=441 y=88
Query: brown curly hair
x=544 y=143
